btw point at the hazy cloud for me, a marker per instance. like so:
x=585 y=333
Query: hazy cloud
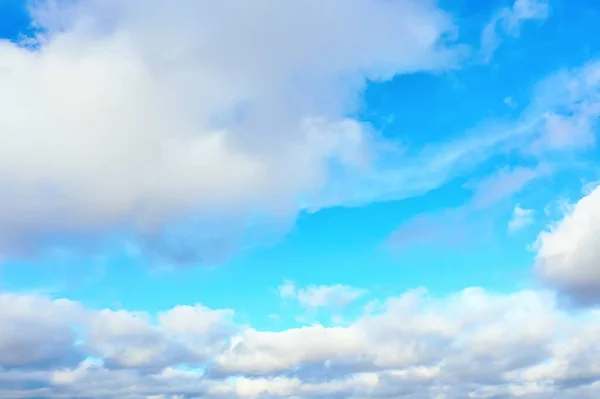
x=507 y=23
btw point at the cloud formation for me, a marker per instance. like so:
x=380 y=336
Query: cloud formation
x=568 y=254
x=467 y=222
x=130 y=115
x=35 y=332
x=471 y=343
x=556 y=131
x=508 y=22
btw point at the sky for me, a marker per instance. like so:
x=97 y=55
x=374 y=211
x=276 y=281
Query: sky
x=345 y=199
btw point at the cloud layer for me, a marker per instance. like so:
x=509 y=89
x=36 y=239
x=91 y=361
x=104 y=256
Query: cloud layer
x=469 y=344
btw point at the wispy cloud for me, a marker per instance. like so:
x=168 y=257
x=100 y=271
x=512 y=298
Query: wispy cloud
x=336 y=296
x=471 y=221
x=573 y=96
x=507 y=23
x=521 y=218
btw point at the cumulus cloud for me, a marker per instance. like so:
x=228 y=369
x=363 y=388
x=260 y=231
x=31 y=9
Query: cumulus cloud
x=183 y=335
x=131 y=115
x=35 y=332
x=472 y=343
x=568 y=257
x=508 y=22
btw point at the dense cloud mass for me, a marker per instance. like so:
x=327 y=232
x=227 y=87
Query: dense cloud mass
x=568 y=255
x=134 y=114
x=473 y=343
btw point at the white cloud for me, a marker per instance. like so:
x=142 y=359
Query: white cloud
x=469 y=344
x=508 y=22
x=319 y=296
x=135 y=114
x=568 y=255
x=184 y=334
x=521 y=218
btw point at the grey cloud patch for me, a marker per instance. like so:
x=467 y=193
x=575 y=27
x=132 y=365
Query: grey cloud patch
x=183 y=335
x=35 y=332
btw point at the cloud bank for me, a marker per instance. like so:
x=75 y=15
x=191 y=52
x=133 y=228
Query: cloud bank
x=471 y=343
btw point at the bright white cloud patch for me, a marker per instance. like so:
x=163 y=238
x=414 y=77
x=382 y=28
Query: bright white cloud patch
x=469 y=344
x=135 y=113
x=568 y=256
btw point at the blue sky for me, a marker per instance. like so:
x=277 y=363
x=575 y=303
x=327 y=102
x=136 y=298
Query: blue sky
x=299 y=199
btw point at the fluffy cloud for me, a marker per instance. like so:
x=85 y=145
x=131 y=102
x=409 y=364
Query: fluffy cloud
x=183 y=335
x=131 y=114
x=568 y=255
x=469 y=344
